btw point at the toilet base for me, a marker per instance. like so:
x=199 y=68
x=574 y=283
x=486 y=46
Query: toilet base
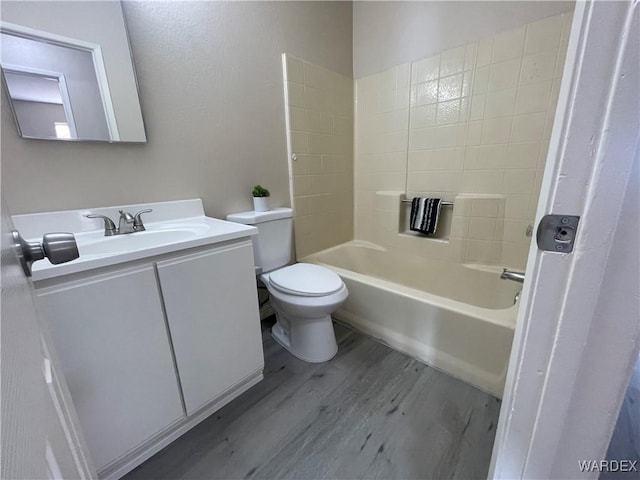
x=309 y=339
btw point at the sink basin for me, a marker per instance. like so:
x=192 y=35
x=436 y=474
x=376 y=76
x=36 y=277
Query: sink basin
x=134 y=241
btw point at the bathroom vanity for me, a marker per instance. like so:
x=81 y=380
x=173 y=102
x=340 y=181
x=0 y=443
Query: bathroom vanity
x=154 y=330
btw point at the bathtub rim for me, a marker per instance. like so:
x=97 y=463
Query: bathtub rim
x=504 y=317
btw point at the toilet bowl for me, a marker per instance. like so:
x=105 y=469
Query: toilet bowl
x=304 y=296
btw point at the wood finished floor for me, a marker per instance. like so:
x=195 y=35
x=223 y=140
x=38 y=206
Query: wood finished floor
x=370 y=413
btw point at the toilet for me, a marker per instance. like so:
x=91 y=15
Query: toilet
x=303 y=295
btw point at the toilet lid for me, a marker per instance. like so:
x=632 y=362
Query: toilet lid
x=305 y=279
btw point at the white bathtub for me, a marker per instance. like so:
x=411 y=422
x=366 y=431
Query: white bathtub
x=456 y=318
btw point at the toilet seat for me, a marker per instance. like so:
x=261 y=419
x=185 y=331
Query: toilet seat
x=306 y=280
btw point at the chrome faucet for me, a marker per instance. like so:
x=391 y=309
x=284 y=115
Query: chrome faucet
x=126 y=224
x=511 y=275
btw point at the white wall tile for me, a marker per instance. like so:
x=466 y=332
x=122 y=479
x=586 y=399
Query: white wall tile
x=481 y=251
x=482 y=228
x=485 y=207
x=436 y=159
x=518 y=181
x=538 y=67
x=295 y=71
x=386 y=100
x=448 y=112
x=479 y=119
x=485 y=52
x=528 y=128
x=423 y=116
x=496 y=130
x=367 y=84
x=450 y=87
x=470 y=54
x=297 y=119
x=459 y=227
x=478 y=102
x=508 y=45
x=299 y=142
x=481 y=80
x=474 y=133
x=522 y=155
x=500 y=104
x=533 y=98
x=296 y=95
x=517 y=206
x=443 y=181
x=444 y=136
x=427 y=92
x=490 y=157
x=504 y=75
x=425 y=69
x=452 y=61
x=421 y=138
x=482 y=181
x=543 y=35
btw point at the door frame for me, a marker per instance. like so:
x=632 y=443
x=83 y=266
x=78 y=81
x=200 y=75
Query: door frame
x=574 y=346
x=62 y=85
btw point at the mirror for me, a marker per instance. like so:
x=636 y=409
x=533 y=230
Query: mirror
x=68 y=73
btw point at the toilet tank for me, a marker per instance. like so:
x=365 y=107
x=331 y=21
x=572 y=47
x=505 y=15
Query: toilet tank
x=272 y=246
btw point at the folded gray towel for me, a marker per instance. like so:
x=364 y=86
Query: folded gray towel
x=424 y=215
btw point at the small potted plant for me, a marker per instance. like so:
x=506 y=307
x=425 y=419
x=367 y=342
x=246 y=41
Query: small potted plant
x=260 y=199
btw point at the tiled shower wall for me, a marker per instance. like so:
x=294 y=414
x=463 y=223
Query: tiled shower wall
x=319 y=105
x=471 y=125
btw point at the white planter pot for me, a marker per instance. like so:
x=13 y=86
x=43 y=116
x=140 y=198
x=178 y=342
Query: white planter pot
x=261 y=204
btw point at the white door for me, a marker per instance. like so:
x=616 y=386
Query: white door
x=40 y=434
x=578 y=329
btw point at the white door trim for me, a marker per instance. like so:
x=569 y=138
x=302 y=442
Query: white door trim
x=550 y=394
x=62 y=84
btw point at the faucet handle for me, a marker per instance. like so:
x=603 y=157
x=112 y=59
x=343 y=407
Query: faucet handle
x=137 y=220
x=109 y=226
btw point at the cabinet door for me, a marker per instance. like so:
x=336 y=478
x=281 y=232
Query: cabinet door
x=212 y=308
x=112 y=341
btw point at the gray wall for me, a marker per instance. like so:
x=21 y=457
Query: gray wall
x=211 y=89
x=390 y=33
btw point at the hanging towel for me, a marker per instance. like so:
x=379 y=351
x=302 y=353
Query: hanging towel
x=424 y=215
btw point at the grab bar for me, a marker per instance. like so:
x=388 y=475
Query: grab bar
x=443 y=203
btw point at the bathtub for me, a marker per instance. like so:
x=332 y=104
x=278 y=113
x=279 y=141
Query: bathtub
x=457 y=318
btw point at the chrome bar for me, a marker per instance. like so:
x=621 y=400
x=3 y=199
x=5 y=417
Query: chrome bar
x=442 y=203
x=511 y=275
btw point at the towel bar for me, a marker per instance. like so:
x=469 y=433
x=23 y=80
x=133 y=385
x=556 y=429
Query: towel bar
x=442 y=203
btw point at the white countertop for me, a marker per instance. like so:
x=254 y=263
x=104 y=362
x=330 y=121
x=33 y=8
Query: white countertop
x=168 y=233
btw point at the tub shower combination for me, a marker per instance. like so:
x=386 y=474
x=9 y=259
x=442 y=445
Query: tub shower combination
x=470 y=125
x=457 y=318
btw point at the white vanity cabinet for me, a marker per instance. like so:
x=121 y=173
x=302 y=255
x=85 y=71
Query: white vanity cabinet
x=110 y=334
x=211 y=303
x=151 y=347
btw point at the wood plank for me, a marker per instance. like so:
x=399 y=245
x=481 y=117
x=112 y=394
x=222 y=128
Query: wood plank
x=371 y=412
